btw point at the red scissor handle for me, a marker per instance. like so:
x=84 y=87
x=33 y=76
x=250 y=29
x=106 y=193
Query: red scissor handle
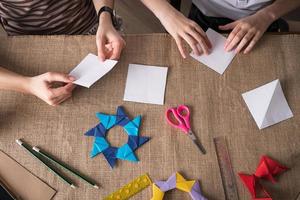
x=179 y=117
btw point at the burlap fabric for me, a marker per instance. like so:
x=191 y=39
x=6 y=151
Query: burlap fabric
x=217 y=110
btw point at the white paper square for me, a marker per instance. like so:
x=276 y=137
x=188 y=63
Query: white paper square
x=218 y=59
x=91 y=69
x=267 y=104
x=146 y=84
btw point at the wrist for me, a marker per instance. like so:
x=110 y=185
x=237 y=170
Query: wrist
x=105 y=19
x=24 y=83
x=267 y=15
x=164 y=10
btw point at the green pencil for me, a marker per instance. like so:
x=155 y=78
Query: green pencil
x=50 y=168
x=66 y=167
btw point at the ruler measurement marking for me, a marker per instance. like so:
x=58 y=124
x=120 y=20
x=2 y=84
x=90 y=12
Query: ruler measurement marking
x=227 y=175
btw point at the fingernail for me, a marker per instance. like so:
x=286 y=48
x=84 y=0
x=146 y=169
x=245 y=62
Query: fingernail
x=71 y=78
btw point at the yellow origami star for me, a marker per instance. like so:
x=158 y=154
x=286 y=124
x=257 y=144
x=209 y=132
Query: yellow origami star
x=176 y=181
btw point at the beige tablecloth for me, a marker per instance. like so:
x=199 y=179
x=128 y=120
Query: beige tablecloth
x=217 y=110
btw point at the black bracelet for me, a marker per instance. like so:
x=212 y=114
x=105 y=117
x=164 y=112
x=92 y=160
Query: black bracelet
x=107 y=9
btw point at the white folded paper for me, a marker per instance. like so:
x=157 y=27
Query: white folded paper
x=267 y=104
x=218 y=59
x=91 y=69
x=146 y=84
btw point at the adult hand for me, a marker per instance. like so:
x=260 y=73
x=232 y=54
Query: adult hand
x=182 y=28
x=246 y=32
x=108 y=40
x=42 y=87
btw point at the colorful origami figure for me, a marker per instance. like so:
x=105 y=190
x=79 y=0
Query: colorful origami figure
x=267 y=169
x=177 y=181
x=126 y=151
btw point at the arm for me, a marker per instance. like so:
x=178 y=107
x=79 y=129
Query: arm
x=40 y=86
x=180 y=27
x=12 y=81
x=108 y=40
x=247 y=31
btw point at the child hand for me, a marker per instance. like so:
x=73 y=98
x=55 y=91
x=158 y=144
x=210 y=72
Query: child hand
x=246 y=32
x=182 y=28
x=42 y=87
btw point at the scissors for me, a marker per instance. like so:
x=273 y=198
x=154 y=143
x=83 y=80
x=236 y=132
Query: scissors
x=179 y=117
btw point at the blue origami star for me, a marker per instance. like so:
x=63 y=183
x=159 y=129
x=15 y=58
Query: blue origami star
x=126 y=151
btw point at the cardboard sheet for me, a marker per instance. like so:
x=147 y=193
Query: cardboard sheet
x=21 y=182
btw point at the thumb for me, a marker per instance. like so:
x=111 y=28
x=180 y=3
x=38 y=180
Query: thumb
x=59 y=77
x=229 y=26
x=64 y=90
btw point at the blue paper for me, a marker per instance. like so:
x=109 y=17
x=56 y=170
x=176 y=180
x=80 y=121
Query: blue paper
x=108 y=121
x=97 y=131
x=110 y=155
x=132 y=127
x=126 y=151
x=100 y=144
x=136 y=141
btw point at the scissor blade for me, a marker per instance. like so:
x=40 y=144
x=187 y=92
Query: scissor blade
x=197 y=142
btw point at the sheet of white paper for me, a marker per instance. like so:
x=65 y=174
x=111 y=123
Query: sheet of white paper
x=218 y=59
x=268 y=104
x=91 y=69
x=146 y=84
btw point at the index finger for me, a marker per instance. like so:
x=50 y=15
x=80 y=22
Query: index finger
x=116 y=51
x=65 y=90
x=200 y=31
x=101 y=50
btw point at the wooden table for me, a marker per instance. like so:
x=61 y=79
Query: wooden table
x=217 y=110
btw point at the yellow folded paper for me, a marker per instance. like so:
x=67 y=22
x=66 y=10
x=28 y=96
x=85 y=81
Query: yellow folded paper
x=177 y=181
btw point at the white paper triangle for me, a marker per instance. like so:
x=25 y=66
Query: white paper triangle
x=267 y=104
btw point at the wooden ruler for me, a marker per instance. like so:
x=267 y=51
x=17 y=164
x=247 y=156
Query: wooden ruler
x=227 y=175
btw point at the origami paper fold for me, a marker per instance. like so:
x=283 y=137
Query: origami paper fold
x=110 y=155
x=218 y=59
x=177 y=181
x=254 y=187
x=158 y=194
x=136 y=141
x=267 y=104
x=132 y=127
x=182 y=184
x=97 y=131
x=196 y=192
x=126 y=151
x=165 y=186
x=100 y=144
x=267 y=169
x=108 y=121
x=122 y=118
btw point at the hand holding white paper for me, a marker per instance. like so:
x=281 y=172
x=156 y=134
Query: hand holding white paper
x=218 y=59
